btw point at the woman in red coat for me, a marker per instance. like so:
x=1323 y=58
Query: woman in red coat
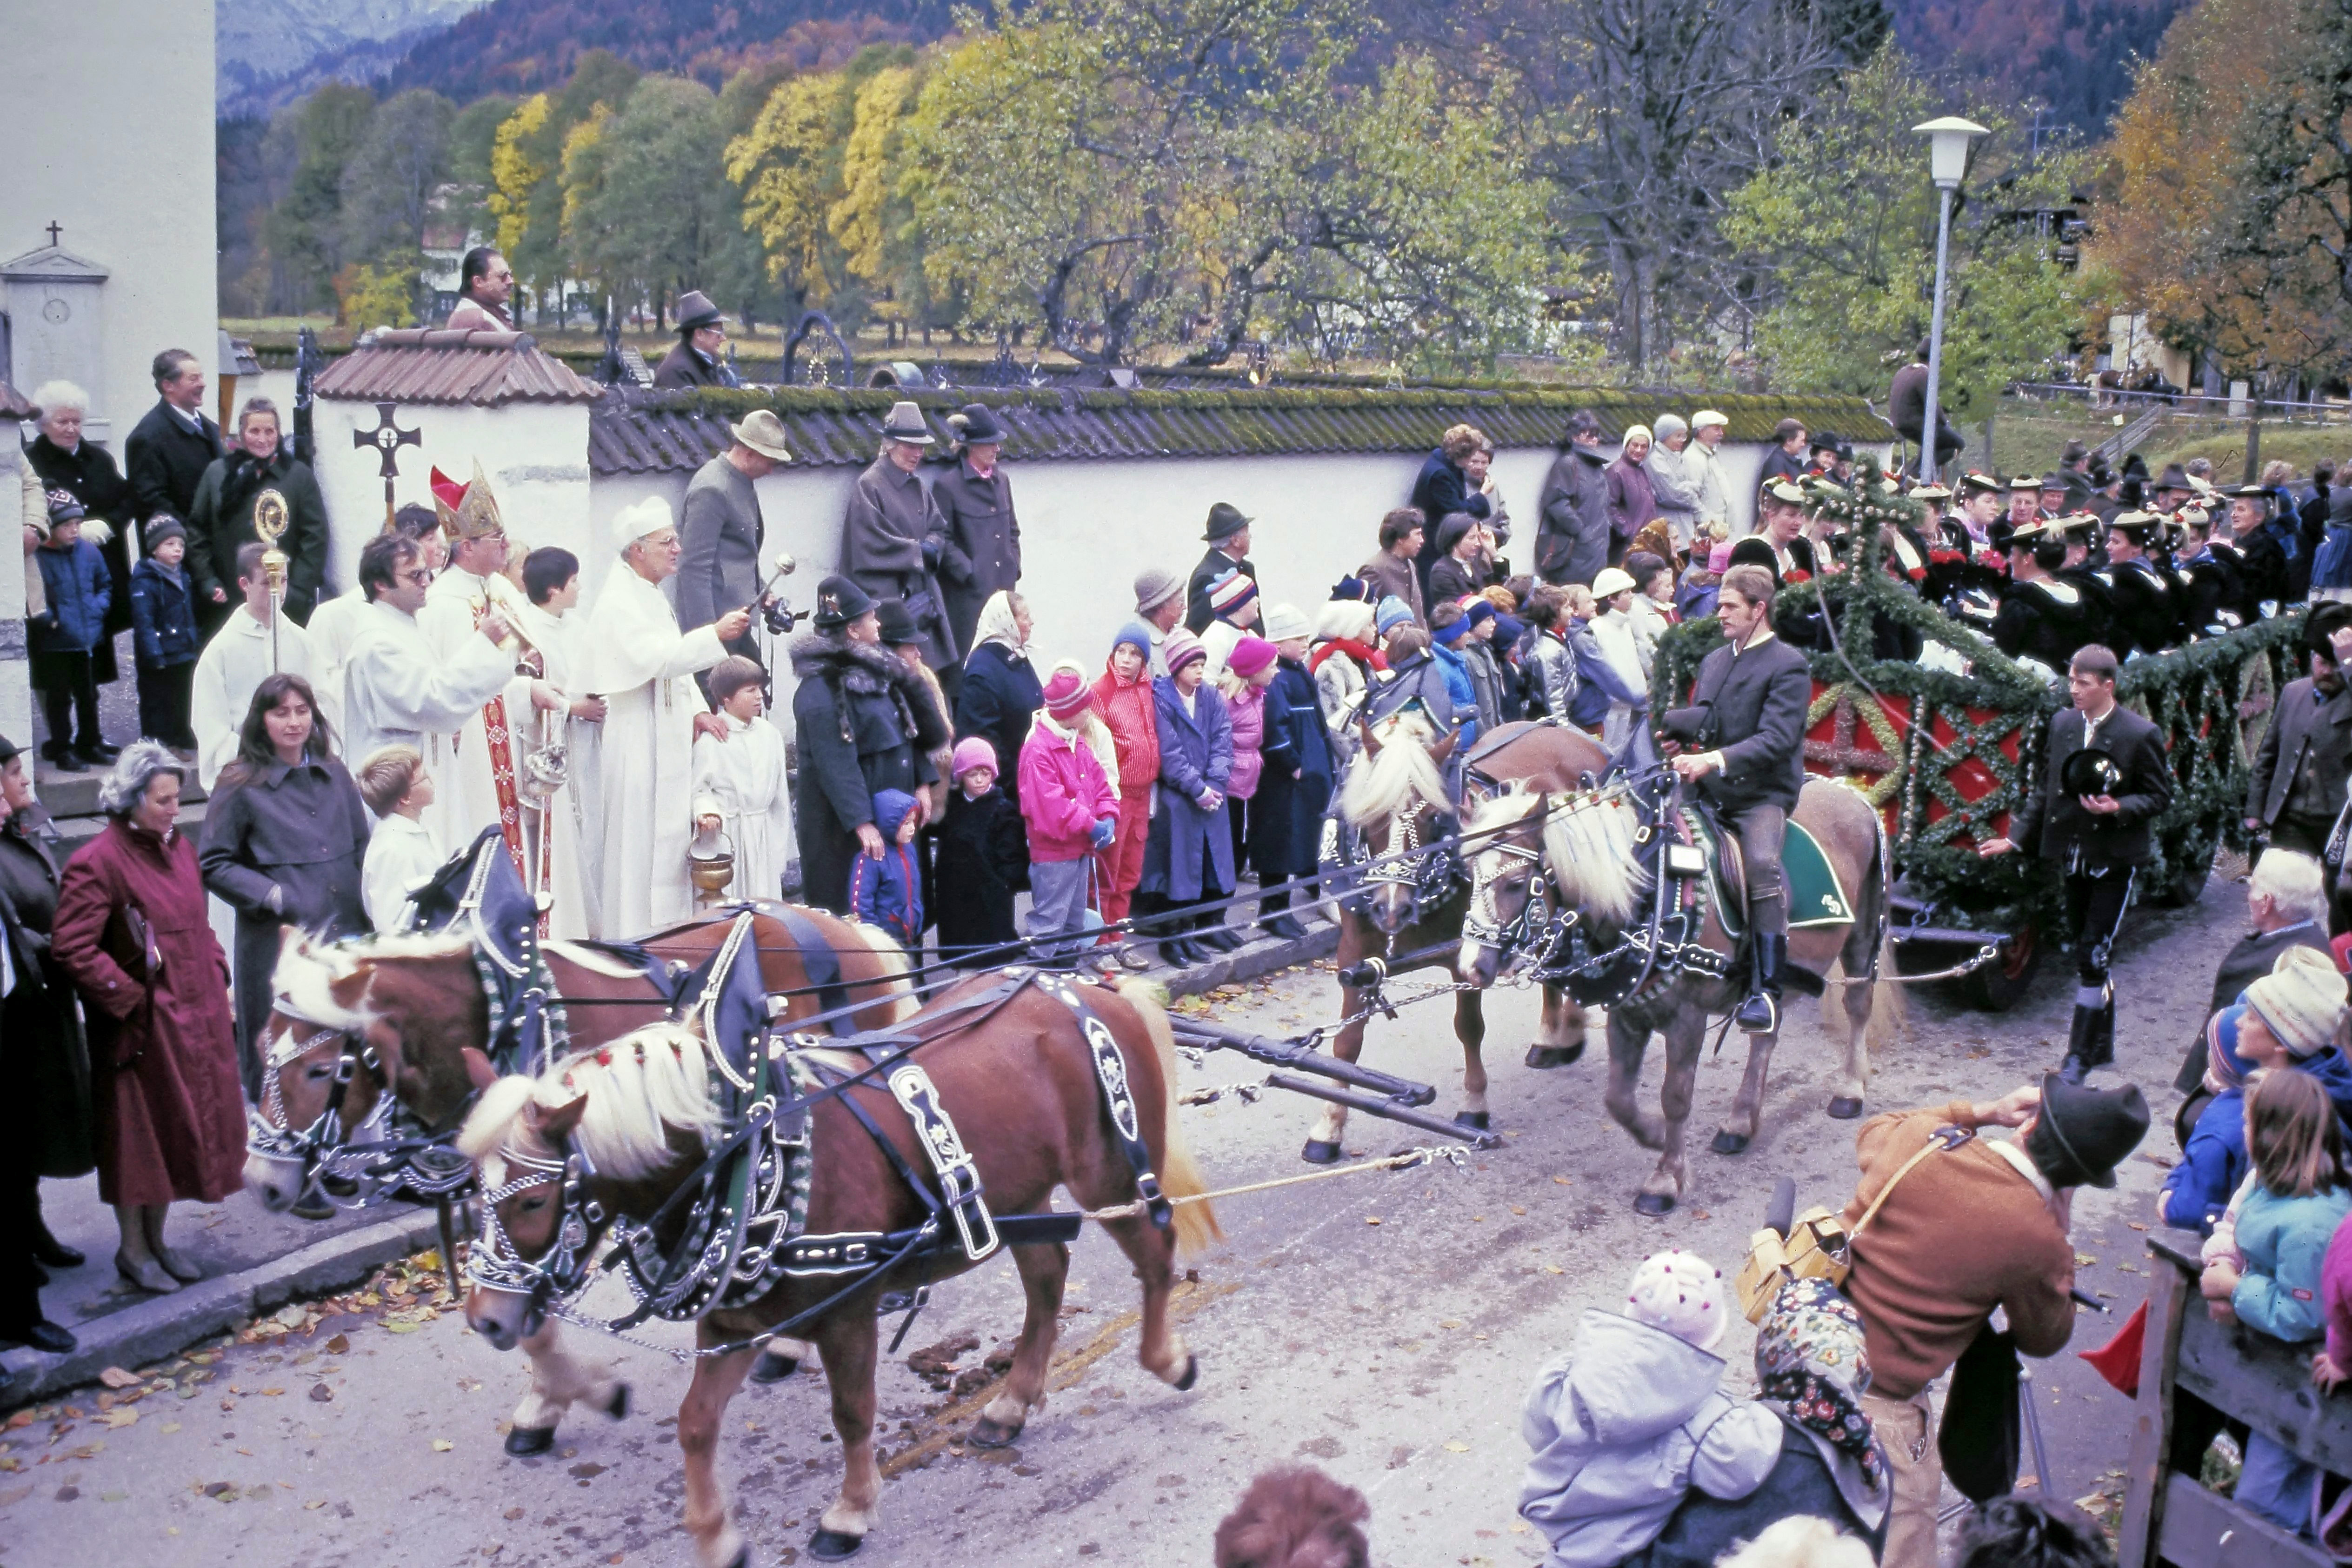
x=132 y=931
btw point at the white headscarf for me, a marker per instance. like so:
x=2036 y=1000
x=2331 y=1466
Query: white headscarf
x=997 y=624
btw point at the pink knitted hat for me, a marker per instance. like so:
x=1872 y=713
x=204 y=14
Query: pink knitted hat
x=973 y=753
x=1066 y=694
x=1249 y=656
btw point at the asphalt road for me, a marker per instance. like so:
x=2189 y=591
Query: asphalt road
x=1383 y=1326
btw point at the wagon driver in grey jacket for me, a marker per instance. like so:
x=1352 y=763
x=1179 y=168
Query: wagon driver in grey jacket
x=1741 y=743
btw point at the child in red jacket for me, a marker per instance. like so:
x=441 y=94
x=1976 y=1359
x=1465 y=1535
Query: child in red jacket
x=1070 y=804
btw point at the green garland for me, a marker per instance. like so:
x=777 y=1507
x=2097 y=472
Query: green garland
x=2210 y=699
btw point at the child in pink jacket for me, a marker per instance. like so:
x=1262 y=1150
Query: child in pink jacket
x=1249 y=671
x=1071 y=806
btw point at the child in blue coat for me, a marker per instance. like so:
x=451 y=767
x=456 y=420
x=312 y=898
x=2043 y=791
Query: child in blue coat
x=2213 y=1162
x=889 y=892
x=165 y=640
x=62 y=637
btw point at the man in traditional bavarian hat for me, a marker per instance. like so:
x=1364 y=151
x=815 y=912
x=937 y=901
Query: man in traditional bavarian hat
x=1228 y=536
x=2142 y=607
x=2025 y=507
x=702 y=339
x=1741 y=743
x=2102 y=781
x=893 y=542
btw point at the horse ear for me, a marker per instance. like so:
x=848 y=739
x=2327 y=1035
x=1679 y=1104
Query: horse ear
x=1371 y=744
x=556 y=1121
x=1444 y=749
x=478 y=1070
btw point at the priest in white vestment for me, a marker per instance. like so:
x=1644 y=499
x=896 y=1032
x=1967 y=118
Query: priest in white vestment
x=256 y=641
x=644 y=667
x=569 y=839
x=398 y=690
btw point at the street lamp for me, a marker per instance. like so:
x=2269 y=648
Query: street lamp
x=1948 y=142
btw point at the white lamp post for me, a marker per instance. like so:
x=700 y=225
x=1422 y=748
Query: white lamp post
x=1948 y=142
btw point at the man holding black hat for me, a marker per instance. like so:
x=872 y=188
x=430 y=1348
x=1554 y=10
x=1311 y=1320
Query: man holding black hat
x=1228 y=534
x=2104 y=780
x=1946 y=1225
x=892 y=540
x=701 y=338
x=721 y=530
x=980 y=537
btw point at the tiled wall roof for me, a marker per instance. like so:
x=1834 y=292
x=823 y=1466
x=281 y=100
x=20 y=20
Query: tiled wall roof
x=430 y=366
x=636 y=432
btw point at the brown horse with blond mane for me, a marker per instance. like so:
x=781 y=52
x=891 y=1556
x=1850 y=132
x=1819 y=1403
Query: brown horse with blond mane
x=626 y=1125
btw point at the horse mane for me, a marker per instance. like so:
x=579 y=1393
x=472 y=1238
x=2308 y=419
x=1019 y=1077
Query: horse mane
x=592 y=960
x=898 y=971
x=309 y=969
x=639 y=1088
x=1588 y=849
x=1381 y=785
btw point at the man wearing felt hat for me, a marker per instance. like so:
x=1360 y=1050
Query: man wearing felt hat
x=2102 y=781
x=702 y=339
x=2142 y=606
x=893 y=541
x=644 y=666
x=980 y=536
x=721 y=531
x=2295 y=788
x=1228 y=534
x=2263 y=564
x=1964 y=1224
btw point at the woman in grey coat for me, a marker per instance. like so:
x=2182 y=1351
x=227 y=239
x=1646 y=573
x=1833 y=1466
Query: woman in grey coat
x=285 y=836
x=1189 y=859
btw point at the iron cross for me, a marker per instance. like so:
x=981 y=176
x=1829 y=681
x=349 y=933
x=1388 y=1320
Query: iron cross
x=54 y=230
x=387 y=439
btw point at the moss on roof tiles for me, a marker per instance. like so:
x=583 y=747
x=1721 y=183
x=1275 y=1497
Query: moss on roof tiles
x=636 y=431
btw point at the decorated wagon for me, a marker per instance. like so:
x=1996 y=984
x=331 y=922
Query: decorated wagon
x=1944 y=745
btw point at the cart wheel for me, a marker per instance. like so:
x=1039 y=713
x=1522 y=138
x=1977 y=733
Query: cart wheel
x=2002 y=983
x=2188 y=884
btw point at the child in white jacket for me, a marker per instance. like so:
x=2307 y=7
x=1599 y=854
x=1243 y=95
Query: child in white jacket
x=1628 y=1421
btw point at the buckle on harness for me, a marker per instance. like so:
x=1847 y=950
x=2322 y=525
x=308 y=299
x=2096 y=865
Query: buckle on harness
x=958 y=1178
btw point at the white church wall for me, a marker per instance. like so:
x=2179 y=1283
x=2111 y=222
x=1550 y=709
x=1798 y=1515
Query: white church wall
x=15 y=671
x=119 y=155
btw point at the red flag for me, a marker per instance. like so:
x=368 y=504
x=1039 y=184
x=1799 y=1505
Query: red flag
x=2117 y=1361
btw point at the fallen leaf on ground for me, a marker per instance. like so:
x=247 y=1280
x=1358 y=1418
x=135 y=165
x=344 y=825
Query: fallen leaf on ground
x=340 y=1345
x=115 y=1377
x=126 y=1416
x=316 y=1502
x=1564 y=1181
x=1457 y=1447
x=441 y=1445
x=1371 y=1219
x=321 y=1393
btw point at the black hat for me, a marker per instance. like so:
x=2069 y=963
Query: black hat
x=1756 y=551
x=2055 y=480
x=975 y=426
x=1824 y=441
x=2174 y=477
x=897 y=623
x=2247 y=492
x=2132 y=492
x=1224 y=521
x=2091 y=772
x=839 y=601
x=1355 y=589
x=8 y=750
x=2080 y=1135
x=696 y=310
x=2325 y=619
x=2134 y=465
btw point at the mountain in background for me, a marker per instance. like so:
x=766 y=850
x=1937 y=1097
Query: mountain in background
x=2073 y=55
x=270 y=52
x=523 y=46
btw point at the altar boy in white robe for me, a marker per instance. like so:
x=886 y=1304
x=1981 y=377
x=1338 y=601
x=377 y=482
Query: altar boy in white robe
x=739 y=781
x=573 y=834
x=253 y=643
x=644 y=667
x=398 y=691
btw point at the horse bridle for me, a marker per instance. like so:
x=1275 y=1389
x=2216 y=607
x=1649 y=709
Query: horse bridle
x=370 y=1155
x=494 y=1262
x=1481 y=924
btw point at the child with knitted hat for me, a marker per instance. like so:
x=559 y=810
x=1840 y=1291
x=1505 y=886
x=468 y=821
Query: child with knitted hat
x=1071 y=803
x=984 y=856
x=1627 y=1422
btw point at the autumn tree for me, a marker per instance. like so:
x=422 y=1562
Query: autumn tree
x=648 y=211
x=1842 y=230
x=526 y=195
x=389 y=183
x=314 y=140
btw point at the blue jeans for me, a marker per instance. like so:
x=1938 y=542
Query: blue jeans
x=2276 y=1485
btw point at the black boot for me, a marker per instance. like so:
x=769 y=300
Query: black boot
x=1760 y=1014
x=2082 y=1043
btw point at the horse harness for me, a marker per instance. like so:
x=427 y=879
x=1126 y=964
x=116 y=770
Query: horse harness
x=742 y=1216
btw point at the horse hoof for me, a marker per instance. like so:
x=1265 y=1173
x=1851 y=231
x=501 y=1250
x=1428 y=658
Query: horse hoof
x=1318 y=1152
x=1541 y=1057
x=528 y=1442
x=1729 y=1143
x=743 y=1558
x=1477 y=1120
x=832 y=1545
x=1845 y=1107
x=1192 y=1375
x=989 y=1433
x=617 y=1407
x=773 y=1368
x=1653 y=1204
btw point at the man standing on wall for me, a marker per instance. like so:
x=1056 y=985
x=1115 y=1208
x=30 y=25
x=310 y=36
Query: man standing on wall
x=721 y=528
x=892 y=541
x=1228 y=536
x=485 y=284
x=174 y=443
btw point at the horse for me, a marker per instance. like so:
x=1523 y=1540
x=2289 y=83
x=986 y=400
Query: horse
x=361 y=1025
x=627 y=1124
x=1586 y=842
x=1411 y=909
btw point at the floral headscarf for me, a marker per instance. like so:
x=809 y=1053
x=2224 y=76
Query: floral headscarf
x=1809 y=1357
x=999 y=625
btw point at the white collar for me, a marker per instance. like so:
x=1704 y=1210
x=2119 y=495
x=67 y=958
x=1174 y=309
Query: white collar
x=2012 y=1150
x=393 y=822
x=188 y=421
x=247 y=623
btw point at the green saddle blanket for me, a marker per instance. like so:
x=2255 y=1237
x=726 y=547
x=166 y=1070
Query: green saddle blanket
x=1816 y=897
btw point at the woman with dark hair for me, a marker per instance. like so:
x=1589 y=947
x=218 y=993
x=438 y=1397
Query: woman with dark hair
x=45 y=1122
x=285 y=837
x=222 y=518
x=132 y=932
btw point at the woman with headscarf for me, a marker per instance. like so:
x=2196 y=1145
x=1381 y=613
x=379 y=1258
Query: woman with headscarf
x=132 y=932
x=285 y=837
x=1001 y=692
x=45 y=1125
x=1630 y=500
x=1811 y=1371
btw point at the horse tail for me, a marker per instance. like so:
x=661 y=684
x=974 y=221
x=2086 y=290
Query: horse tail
x=897 y=972
x=1196 y=1223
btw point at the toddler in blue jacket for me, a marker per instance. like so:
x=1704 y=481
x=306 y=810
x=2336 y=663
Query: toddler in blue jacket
x=889 y=892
